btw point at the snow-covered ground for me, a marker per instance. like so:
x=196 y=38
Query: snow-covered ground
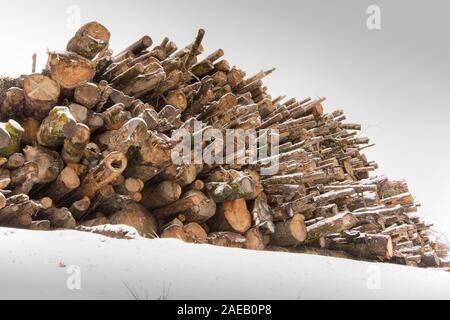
x=54 y=265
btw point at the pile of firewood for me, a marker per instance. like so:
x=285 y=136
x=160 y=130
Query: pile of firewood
x=86 y=144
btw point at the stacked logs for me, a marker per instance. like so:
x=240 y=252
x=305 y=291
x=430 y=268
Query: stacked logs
x=87 y=144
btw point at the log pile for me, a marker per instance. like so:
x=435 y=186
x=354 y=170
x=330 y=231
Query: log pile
x=86 y=144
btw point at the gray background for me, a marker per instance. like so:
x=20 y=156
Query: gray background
x=394 y=81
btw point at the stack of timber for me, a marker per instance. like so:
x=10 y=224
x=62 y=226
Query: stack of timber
x=87 y=143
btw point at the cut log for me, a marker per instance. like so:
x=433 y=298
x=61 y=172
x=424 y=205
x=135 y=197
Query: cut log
x=60 y=218
x=430 y=260
x=31 y=128
x=195 y=233
x=80 y=208
x=262 y=215
x=196 y=206
x=22 y=180
x=108 y=170
x=136 y=216
x=66 y=182
x=290 y=233
x=15 y=161
x=89 y=40
x=18 y=212
x=13 y=104
x=46 y=202
x=255 y=240
x=241 y=188
x=58 y=126
x=364 y=246
x=138 y=46
x=160 y=195
x=174 y=230
x=132 y=134
x=75 y=146
x=43 y=225
x=2 y=201
x=88 y=95
x=10 y=138
x=49 y=163
x=232 y=216
x=69 y=69
x=336 y=224
x=227 y=239
x=41 y=95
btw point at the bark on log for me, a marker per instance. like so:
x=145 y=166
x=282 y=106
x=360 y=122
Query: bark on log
x=160 y=195
x=232 y=216
x=75 y=146
x=80 y=208
x=196 y=206
x=49 y=163
x=336 y=224
x=58 y=126
x=133 y=134
x=22 y=180
x=136 y=216
x=227 y=239
x=88 y=95
x=255 y=240
x=174 y=230
x=290 y=233
x=195 y=233
x=262 y=215
x=30 y=127
x=43 y=225
x=13 y=104
x=122 y=232
x=364 y=246
x=10 y=138
x=18 y=212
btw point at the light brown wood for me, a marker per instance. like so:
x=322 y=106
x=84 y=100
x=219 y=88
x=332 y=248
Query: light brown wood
x=89 y=40
x=290 y=233
x=160 y=195
x=255 y=240
x=232 y=216
x=95 y=132
x=195 y=233
x=41 y=95
x=69 y=70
